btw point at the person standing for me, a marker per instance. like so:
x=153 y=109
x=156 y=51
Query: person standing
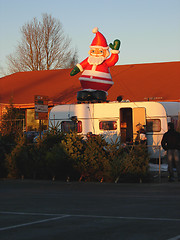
x=171 y=143
x=141 y=134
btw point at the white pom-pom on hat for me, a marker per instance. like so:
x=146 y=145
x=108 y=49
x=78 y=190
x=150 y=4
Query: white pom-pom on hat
x=95 y=30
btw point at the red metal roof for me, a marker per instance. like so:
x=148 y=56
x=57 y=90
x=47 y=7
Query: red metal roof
x=136 y=82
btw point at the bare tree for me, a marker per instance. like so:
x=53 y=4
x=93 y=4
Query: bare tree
x=2 y=71
x=73 y=60
x=43 y=46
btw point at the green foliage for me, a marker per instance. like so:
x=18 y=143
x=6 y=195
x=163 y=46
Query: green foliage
x=89 y=157
x=7 y=144
x=58 y=164
x=50 y=139
x=47 y=156
x=40 y=160
x=129 y=162
x=116 y=155
x=5 y=148
x=139 y=160
x=12 y=120
x=15 y=158
x=63 y=156
x=73 y=145
x=10 y=130
x=95 y=165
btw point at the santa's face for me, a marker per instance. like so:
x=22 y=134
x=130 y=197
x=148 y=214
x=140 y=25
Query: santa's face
x=97 y=55
x=97 y=52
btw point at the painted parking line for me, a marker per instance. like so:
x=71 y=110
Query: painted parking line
x=29 y=213
x=129 y=218
x=175 y=238
x=61 y=215
x=31 y=223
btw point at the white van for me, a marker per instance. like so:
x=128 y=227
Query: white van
x=118 y=119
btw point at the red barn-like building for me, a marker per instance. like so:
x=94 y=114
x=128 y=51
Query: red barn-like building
x=135 y=82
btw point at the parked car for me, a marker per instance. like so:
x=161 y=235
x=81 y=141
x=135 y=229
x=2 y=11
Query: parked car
x=35 y=139
x=30 y=135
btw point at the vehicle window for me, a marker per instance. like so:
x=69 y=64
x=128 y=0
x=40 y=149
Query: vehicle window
x=71 y=126
x=108 y=125
x=153 y=125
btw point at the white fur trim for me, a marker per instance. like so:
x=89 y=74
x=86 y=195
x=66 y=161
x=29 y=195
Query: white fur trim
x=80 y=67
x=96 y=46
x=95 y=30
x=93 y=90
x=96 y=80
x=89 y=90
x=97 y=74
x=115 y=51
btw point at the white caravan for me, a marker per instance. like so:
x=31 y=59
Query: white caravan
x=118 y=120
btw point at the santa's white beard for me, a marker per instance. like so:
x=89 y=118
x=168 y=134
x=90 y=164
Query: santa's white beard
x=95 y=60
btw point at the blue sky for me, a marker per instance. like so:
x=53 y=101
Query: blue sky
x=149 y=30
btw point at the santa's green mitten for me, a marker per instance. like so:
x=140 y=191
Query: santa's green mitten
x=115 y=45
x=75 y=71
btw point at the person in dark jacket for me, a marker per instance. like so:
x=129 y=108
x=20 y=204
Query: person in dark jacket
x=171 y=143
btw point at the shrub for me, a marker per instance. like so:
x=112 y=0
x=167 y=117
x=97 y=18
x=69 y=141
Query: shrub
x=39 y=151
x=130 y=163
x=33 y=160
x=5 y=148
x=95 y=165
x=14 y=160
x=58 y=164
x=73 y=145
x=140 y=160
x=63 y=156
x=117 y=157
x=88 y=156
x=12 y=122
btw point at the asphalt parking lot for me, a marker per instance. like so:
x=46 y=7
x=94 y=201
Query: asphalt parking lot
x=47 y=210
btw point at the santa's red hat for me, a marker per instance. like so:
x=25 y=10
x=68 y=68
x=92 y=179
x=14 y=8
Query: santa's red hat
x=99 y=40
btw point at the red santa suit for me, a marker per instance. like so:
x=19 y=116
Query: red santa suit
x=97 y=76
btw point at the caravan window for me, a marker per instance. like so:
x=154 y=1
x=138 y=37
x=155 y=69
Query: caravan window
x=108 y=125
x=71 y=126
x=153 y=125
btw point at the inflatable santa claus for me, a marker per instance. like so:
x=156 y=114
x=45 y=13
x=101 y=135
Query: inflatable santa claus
x=96 y=78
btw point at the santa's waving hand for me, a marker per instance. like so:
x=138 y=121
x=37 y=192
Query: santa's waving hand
x=95 y=68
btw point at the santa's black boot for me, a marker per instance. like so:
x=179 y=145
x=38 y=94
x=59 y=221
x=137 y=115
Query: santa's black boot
x=99 y=95
x=94 y=96
x=84 y=96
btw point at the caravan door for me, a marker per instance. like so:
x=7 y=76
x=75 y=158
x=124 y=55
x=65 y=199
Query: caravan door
x=129 y=118
x=139 y=116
